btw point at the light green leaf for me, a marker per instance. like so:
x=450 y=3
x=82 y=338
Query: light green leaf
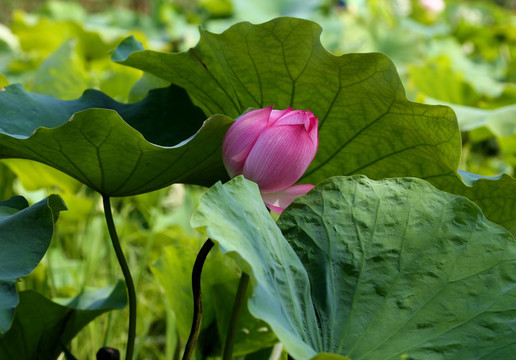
x=25 y=234
x=63 y=74
x=372 y=269
x=48 y=177
x=3 y=81
x=137 y=148
x=249 y=231
x=41 y=327
x=42 y=36
x=499 y=121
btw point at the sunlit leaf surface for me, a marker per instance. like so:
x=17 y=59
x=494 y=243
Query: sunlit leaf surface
x=367 y=126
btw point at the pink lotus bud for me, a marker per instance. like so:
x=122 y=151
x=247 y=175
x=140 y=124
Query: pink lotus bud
x=273 y=148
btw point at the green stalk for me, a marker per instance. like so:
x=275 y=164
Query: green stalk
x=197 y=296
x=235 y=314
x=107 y=336
x=131 y=292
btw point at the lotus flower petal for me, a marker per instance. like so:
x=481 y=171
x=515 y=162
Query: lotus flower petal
x=279 y=157
x=278 y=201
x=241 y=137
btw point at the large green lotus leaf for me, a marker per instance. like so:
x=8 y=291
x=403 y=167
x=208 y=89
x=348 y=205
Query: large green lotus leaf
x=131 y=149
x=25 y=234
x=366 y=124
x=41 y=327
x=368 y=269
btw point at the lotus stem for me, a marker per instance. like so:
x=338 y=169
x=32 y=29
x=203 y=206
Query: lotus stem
x=197 y=296
x=235 y=314
x=131 y=292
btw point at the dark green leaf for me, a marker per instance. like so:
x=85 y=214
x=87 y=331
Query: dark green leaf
x=41 y=327
x=165 y=117
x=372 y=269
x=25 y=234
x=155 y=146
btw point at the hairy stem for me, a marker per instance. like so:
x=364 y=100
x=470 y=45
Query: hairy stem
x=197 y=296
x=235 y=314
x=131 y=292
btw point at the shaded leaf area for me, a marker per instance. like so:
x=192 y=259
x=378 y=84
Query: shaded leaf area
x=165 y=117
x=219 y=284
x=370 y=269
x=102 y=150
x=25 y=234
x=42 y=328
x=367 y=126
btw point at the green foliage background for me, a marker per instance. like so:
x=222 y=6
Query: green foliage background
x=464 y=57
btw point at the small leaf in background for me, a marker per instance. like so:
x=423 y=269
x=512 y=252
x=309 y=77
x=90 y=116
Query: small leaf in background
x=63 y=74
x=25 y=234
x=438 y=80
x=41 y=328
x=3 y=81
x=42 y=36
x=499 y=121
x=48 y=177
x=372 y=269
